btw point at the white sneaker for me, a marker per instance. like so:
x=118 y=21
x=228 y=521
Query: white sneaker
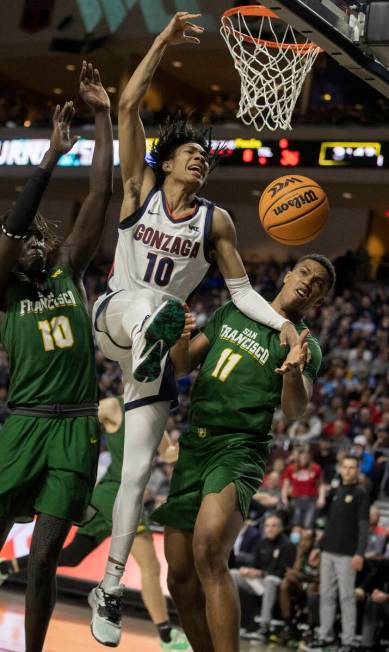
x=155 y=337
x=106 y=624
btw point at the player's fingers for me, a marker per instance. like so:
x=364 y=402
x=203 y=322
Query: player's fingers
x=56 y=113
x=191 y=39
x=89 y=72
x=193 y=28
x=187 y=15
x=303 y=335
x=83 y=71
x=68 y=112
x=97 y=76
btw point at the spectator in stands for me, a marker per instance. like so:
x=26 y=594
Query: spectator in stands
x=365 y=459
x=343 y=547
x=325 y=457
x=268 y=496
x=298 y=578
x=245 y=543
x=376 y=606
x=274 y=553
x=338 y=434
x=303 y=483
x=378 y=535
x=312 y=423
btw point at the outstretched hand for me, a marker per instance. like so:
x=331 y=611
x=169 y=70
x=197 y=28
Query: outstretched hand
x=91 y=91
x=61 y=140
x=297 y=357
x=174 y=33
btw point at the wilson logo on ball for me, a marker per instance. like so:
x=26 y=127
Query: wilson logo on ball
x=280 y=186
x=307 y=198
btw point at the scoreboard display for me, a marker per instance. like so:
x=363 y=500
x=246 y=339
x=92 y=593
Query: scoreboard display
x=237 y=152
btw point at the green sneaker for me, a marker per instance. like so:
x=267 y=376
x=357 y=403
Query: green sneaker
x=178 y=641
x=157 y=334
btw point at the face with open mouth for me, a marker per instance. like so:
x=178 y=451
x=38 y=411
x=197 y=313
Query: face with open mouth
x=305 y=285
x=190 y=165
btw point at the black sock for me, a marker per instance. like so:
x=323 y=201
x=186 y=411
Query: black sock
x=164 y=631
x=6 y=567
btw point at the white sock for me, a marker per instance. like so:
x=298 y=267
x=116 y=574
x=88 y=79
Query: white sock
x=113 y=574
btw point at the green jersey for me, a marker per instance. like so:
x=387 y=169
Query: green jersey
x=115 y=445
x=237 y=387
x=47 y=334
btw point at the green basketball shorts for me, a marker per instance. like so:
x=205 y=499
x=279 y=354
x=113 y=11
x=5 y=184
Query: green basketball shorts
x=207 y=463
x=48 y=466
x=103 y=499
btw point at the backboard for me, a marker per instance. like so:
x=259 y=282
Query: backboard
x=354 y=32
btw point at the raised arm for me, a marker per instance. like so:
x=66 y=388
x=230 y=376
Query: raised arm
x=296 y=388
x=138 y=178
x=14 y=229
x=80 y=247
x=246 y=299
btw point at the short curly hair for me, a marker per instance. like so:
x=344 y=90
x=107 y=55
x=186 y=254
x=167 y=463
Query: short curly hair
x=175 y=131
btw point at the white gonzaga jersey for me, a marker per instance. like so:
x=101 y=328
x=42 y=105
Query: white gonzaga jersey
x=156 y=251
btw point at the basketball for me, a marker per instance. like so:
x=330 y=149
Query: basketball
x=293 y=209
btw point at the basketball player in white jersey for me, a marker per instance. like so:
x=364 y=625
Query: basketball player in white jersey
x=166 y=236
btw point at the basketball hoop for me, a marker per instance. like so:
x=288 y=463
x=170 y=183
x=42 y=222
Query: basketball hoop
x=272 y=72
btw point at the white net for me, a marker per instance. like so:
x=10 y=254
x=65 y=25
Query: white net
x=272 y=61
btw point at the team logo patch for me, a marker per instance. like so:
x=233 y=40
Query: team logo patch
x=57 y=273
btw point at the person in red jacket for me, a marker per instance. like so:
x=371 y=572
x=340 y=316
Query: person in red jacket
x=304 y=484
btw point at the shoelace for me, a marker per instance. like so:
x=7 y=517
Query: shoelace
x=112 y=606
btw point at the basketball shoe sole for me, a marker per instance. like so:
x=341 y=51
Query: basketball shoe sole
x=157 y=335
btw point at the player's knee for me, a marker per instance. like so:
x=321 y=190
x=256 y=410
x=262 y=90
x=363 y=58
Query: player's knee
x=179 y=579
x=151 y=568
x=135 y=478
x=208 y=555
x=41 y=563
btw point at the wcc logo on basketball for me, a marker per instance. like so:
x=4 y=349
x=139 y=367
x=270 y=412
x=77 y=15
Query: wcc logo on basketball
x=274 y=190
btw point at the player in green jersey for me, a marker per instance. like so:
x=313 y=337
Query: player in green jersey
x=89 y=536
x=245 y=374
x=49 y=444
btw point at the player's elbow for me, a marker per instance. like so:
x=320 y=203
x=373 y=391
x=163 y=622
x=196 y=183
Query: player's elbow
x=128 y=105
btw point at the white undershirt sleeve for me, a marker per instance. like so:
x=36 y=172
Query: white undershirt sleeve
x=248 y=301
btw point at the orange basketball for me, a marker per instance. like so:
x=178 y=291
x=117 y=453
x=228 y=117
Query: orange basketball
x=293 y=209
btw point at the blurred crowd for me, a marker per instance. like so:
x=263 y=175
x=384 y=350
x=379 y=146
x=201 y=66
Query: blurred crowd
x=334 y=97
x=347 y=419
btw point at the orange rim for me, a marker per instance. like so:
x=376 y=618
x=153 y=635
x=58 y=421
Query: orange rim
x=260 y=10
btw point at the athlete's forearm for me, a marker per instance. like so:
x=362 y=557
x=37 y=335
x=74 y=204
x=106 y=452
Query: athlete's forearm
x=100 y=179
x=140 y=80
x=294 y=397
x=25 y=208
x=180 y=357
x=252 y=304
